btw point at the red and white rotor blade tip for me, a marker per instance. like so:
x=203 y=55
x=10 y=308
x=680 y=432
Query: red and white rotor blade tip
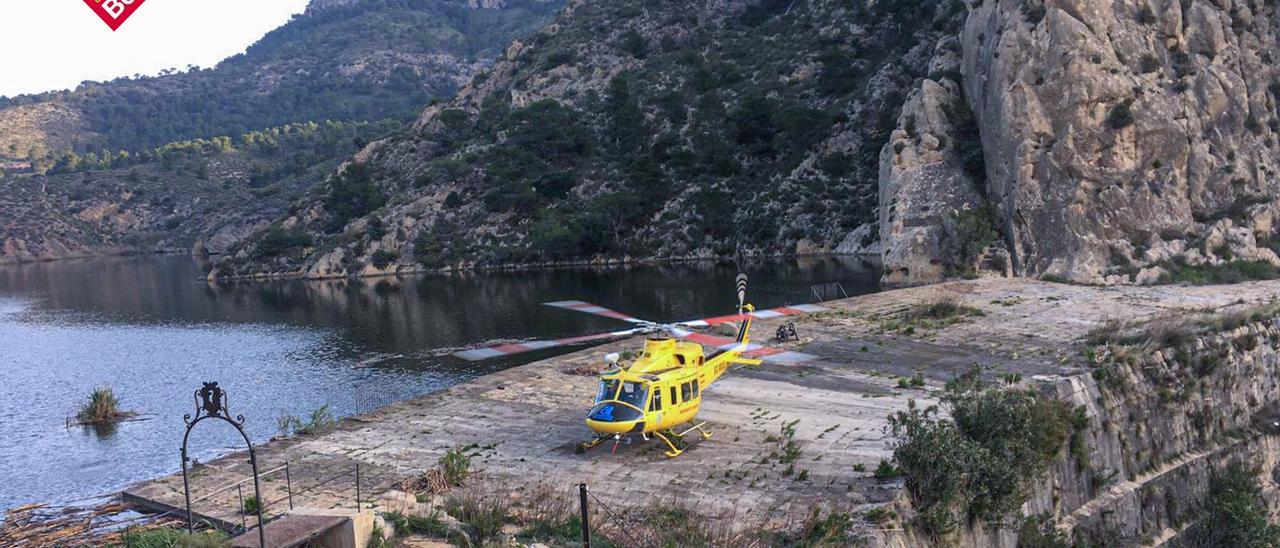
x=497 y=351
x=759 y=315
x=589 y=308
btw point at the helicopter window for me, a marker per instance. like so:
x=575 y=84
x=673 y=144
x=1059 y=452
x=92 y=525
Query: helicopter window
x=656 y=404
x=673 y=396
x=607 y=390
x=634 y=393
x=680 y=358
x=685 y=393
x=695 y=388
x=699 y=361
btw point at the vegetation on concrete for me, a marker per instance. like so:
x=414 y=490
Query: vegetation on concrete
x=171 y=538
x=977 y=463
x=480 y=519
x=320 y=419
x=1177 y=329
x=555 y=521
x=429 y=525
x=103 y=407
x=251 y=505
x=936 y=314
x=1235 y=514
x=456 y=466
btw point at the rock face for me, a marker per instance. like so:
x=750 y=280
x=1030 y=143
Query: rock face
x=1112 y=130
x=924 y=189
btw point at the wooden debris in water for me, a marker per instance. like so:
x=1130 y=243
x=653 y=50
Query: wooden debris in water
x=44 y=525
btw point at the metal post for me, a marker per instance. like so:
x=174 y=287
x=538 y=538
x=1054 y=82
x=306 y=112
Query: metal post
x=357 y=487
x=257 y=492
x=186 y=492
x=240 y=492
x=586 y=516
x=288 y=483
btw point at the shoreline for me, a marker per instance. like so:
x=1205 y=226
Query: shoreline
x=408 y=270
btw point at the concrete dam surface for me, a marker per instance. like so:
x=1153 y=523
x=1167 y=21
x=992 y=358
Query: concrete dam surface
x=523 y=425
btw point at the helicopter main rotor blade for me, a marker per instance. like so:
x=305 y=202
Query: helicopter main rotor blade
x=589 y=308
x=750 y=350
x=759 y=315
x=496 y=351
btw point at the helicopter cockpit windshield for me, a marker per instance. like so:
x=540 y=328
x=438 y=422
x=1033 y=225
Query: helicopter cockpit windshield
x=631 y=393
x=608 y=389
x=634 y=394
x=620 y=401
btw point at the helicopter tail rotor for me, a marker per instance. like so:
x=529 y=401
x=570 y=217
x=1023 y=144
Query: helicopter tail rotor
x=742 y=292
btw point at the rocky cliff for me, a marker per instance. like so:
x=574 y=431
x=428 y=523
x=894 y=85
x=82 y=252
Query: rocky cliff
x=637 y=131
x=1118 y=140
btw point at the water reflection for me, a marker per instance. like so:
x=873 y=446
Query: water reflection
x=153 y=329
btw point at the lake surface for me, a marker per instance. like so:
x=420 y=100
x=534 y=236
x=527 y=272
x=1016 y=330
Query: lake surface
x=153 y=330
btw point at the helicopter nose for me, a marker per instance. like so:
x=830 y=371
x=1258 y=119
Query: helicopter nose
x=623 y=427
x=612 y=417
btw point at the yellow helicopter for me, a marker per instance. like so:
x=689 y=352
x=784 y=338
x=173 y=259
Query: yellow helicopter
x=661 y=390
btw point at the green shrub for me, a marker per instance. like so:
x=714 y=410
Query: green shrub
x=1146 y=16
x=632 y=42
x=1033 y=11
x=481 y=519
x=880 y=515
x=916 y=381
x=453 y=200
x=974 y=233
x=1235 y=513
x=320 y=419
x=1235 y=271
x=429 y=525
x=351 y=194
x=456 y=466
x=976 y=464
x=276 y=241
x=1121 y=115
x=383 y=258
x=1149 y=63
x=887 y=471
x=1039 y=531
x=250 y=505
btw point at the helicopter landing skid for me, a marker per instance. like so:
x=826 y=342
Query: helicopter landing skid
x=677 y=447
x=595 y=441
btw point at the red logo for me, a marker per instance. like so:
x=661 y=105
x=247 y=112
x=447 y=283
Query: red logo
x=114 y=12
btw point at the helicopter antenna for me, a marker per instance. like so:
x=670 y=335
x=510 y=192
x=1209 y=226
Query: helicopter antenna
x=742 y=292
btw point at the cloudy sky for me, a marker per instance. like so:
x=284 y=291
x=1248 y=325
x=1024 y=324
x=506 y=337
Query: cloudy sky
x=56 y=44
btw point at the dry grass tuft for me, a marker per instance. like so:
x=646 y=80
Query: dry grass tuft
x=103 y=407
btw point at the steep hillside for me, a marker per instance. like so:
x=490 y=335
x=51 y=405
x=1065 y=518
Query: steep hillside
x=200 y=196
x=356 y=60
x=655 y=129
x=1123 y=142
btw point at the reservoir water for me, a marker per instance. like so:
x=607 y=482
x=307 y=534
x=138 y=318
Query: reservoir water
x=153 y=330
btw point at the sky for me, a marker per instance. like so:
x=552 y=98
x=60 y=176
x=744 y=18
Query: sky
x=56 y=44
